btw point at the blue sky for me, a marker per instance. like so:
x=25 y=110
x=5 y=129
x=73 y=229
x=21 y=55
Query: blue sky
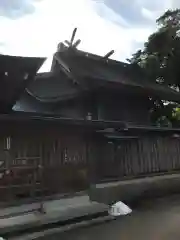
x=35 y=27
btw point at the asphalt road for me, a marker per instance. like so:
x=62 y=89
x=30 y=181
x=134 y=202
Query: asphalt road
x=157 y=220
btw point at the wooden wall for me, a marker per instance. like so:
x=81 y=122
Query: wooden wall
x=103 y=105
x=70 y=109
x=42 y=163
x=138 y=157
x=108 y=105
x=44 y=159
x=123 y=106
x=78 y=108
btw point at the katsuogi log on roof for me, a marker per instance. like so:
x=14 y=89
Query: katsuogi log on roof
x=101 y=71
x=15 y=75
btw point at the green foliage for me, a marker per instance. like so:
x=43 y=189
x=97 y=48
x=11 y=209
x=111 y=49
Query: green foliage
x=176 y=113
x=160 y=60
x=161 y=54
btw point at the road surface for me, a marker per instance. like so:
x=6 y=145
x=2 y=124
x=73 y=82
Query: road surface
x=157 y=220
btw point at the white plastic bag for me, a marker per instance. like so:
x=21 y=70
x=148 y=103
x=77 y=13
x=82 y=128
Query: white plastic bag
x=119 y=209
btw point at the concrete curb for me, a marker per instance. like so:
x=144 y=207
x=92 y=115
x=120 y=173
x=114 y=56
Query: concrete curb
x=56 y=211
x=49 y=232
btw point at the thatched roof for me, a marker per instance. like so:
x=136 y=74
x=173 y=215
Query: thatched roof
x=15 y=75
x=84 y=65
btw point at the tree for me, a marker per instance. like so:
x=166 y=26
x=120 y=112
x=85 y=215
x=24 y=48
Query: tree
x=160 y=59
x=161 y=52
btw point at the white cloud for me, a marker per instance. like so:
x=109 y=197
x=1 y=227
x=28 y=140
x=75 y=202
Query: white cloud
x=148 y=14
x=38 y=34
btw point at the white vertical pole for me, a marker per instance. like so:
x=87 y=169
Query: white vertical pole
x=8 y=143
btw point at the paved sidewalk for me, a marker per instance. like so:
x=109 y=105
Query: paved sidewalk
x=28 y=215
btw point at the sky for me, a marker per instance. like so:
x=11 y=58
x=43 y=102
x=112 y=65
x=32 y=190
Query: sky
x=35 y=27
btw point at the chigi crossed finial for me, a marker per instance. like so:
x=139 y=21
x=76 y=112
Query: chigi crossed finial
x=71 y=43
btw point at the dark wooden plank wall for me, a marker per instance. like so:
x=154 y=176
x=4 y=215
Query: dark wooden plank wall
x=124 y=106
x=43 y=161
x=42 y=165
x=138 y=157
x=103 y=105
x=78 y=107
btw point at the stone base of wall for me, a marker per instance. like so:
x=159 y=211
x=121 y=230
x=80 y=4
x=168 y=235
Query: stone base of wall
x=135 y=190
